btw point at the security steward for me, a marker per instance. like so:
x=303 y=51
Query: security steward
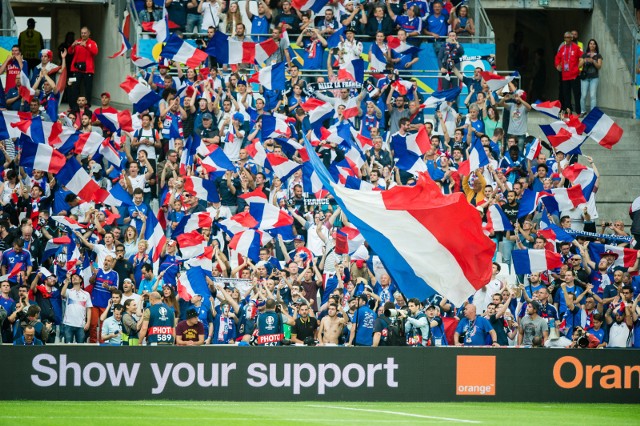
x=158 y=322
x=270 y=322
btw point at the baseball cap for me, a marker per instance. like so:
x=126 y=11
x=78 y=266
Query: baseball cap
x=239 y=117
x=349 y=29
x=107 y=94
x=192 y=313
x=241 y=82
x=299 y=238
x=207 y=116
x=610 y=252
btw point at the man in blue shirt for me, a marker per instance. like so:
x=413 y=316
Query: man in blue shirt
x=13 y=257
x=28 y=338
x=362 y=324
x=474 y=330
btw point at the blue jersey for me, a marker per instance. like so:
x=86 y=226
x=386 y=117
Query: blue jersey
x=438 y=24
x=11 y=258
x=142 y=208
x=476 y=333
x=363 y=320
x=100 y=295
x=368 y=123
x=169 y=265
x=260 y=25
x=410 y=25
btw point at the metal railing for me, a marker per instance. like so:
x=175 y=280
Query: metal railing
x=620 y=20
x=484 y=30
x=9 y=27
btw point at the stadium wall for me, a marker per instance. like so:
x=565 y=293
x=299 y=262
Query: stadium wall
x=323 y=374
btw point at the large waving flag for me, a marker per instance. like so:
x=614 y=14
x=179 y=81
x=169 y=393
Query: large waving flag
x=78 y=181
x=579 y=174
x=255 y=196
x=204 y=189
x=430 y=253
x=564 y=138
x=38 y=156
x=191 y=244
x=88 y=144
x=238 y=223
x=377 y=59
x=416 y=143
x=231 y=52
x=272 y=219
x=282 y=166
x=313 y=5
x=625 y=257
x=265 y=49
x=533 y=149
x=401 y=47
x=124 y=46
x=352 y=70
x=154 y=234
x=318 y=111
x=530 y=200
x=181 y=51
x=550 y=108
x=271 y=77
x=348 y=240
x=257 y=152
x=531 y=261
x=160 y=28
x=311 y=183
x=495 y=81
x=248 y=243
x=569 y=198
x=115 y=122
x=441 y=96
x=217 y=161
x=193 y=222
x=139 y=61
x=498 y=218
x=602 y=129
x=477 y=159
x=140 y=94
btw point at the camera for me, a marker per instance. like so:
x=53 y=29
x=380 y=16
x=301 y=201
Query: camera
x=392 y=313
x=583 y=340
x=461 y=337
x=607 y=224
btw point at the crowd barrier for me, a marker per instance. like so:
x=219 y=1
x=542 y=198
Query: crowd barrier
x=321 y=373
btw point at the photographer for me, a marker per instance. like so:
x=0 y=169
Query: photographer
x=416 y=326
x=270 y=325
x=32 y=318
x=362 y=324
x=582 y=339
x=381 y=327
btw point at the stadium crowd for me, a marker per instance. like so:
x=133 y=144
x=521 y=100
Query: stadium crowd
x=219 y=233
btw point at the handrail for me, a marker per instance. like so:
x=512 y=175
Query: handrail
x=8 y=20
x=624 y=31
x=484 y=29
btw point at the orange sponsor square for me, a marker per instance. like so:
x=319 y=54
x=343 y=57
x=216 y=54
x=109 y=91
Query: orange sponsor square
x=476 y=375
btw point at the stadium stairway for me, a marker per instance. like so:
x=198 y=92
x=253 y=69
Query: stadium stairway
x=619 y=167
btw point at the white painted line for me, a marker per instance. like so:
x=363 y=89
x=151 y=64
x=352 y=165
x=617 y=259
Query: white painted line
x=395 y=413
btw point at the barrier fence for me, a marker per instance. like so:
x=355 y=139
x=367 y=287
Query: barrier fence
x=323 y=374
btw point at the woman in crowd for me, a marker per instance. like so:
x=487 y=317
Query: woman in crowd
x=591 y=62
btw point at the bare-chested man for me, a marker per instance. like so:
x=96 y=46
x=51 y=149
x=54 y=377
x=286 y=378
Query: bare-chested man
x=331 y=326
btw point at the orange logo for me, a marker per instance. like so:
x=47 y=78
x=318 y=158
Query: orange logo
x=476 y=375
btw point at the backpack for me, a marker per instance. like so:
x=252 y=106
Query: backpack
x=395 y=333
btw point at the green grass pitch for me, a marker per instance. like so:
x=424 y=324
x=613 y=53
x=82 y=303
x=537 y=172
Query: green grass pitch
x=175 y=413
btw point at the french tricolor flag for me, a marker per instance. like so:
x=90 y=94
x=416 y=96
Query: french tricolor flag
x=248 y=243
x=352 y=70
x=238 y=223
x=313 y=5
x=351 y=109
x=54 y=244
x=550 y=108
x=265 y=49
x=415 y=143
x=87 y=144
x=377 y=59
x=530 y=200
x=38 y=156
x=311 y=182
x=271 y=77
x=282 y=166
x=531 y=261
x=355 y=183
x=274 y=127
x=569 y=198
x=318 y=111
x=25 y=91
x=431 y=253
x=159 y=28
x=499 y=220
x=191 y=244
x=564 y=138
x=114 y=122
x=402 y=86
x=69 y=222
x=181 y=51
x=272 y=218
x=625 y=257
x=217 y=161
x=124 y=46
x=203 y=189
x=348 y=240
x=363 y=142
x=140 y=94
x=255 y=196
x=401 y=47
x=193 y=222
x=579 y=174
x=602 y=129
x=139 y=61
x=17 y=268
x=155 y=236
x=78 y=181
x=410 y=162
x=533 y=150
x=233 y=52
x=555 y=234
x=477 y=158
x=441 y=96
x=185 y=289
x=257 y=152
x=495 y=81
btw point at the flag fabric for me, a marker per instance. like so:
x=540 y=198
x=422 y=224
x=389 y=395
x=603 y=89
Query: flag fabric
x=159 y=28
x=248 y=243
x=430 y=253
x=564 y=138
x=54 y=244
x=180 y=51
x=550 y=108
x=124 y=46
x=185 y=289
x=115 y=122
x=554 y=234
x=602 y=129
x=193 y=222
x=495 y=81
x=257 y=152
x=110 y=153
x=569 y=198
x=191 y=244
x=318 y=111
x=402 y=86
x=232 y=52
x=351 y=109
x=401 y=47
x=255 y=196
x=410 y=162
x=377 y=59
x=78 y=181
x=139 y=61
x=204 y=189
x=334 y=39
x=311 y=182
x=355 y=183
x=25 y=90
x=579 y=174
x=88 y=144
x=441 y=96
x=531 y=261
x=415 y=143
x=499 y=220
x=282 y=166
x=269 y=216
x=68 y=222
x=477 y=158
x=533 y=150
x=625 y=257
x=238 y=223
x=15 y=271
x=348 y=240
x=265 y=49
x=140 y=94
x=38 y=156
x=155 y=236
x=217 y=161
x=313 y=5
x=352 y=70
x=271 y=77
x=530 y=200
